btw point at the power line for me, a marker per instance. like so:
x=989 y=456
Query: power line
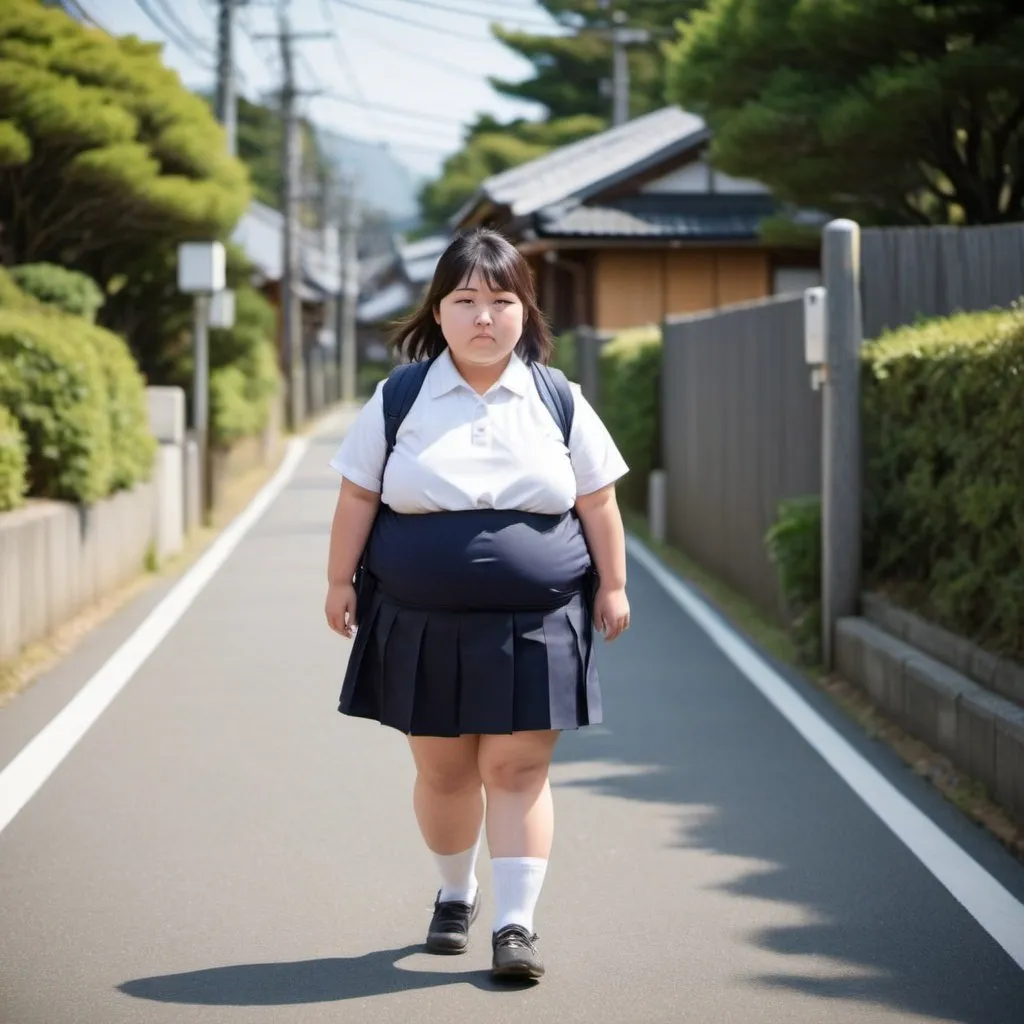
x=186 y=33
x=170 y=36
x=480 y=14
x=438 y=118
x=339 y=49
x=87 y=16
x=450 y=33
x=454 y=69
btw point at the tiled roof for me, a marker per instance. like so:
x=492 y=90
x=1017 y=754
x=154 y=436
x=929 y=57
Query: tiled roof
x=661 y=216
x=259 y=234
x=597 y=161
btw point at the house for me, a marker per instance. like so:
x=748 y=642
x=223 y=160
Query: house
x=391 y=286
x=260 y=234
x=632 y=225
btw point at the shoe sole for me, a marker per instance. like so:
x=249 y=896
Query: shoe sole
x=518 y=972
x=447 y=945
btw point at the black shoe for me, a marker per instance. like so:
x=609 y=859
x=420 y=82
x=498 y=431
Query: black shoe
x=449 y=927
x=515 y=955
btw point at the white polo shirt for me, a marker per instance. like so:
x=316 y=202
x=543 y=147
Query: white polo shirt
x=457 y=450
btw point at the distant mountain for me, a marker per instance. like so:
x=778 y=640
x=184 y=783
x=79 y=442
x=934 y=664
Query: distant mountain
x=385 y=183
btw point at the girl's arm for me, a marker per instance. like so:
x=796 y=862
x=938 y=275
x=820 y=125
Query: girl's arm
x=602 y=526
x=353 y=519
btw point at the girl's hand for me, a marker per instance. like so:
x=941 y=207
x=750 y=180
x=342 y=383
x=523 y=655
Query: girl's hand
x=340 y=608
x=611 y=612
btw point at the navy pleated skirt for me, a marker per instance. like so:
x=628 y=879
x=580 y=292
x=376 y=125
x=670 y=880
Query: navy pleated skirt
x=474 y=623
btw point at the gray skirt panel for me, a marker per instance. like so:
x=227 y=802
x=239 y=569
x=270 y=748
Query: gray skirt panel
x=457 y=668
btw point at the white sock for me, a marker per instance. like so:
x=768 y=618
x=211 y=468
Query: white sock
x=458 y=874
x=517 y=885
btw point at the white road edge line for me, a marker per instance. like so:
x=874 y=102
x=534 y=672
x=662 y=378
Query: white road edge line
x=989 y=903
x=23 y=777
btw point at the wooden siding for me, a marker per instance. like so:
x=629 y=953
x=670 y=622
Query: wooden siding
x=641 y=286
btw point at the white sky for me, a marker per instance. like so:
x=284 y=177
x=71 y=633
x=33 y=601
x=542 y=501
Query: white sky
x=373 y=56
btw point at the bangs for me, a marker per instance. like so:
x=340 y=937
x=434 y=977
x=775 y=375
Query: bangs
x=503 y=268
x=496 y=260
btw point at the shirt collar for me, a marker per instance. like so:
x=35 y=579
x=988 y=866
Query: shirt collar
x=444 y=377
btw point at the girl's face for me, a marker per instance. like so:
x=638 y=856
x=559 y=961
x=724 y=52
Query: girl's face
x=482 y=326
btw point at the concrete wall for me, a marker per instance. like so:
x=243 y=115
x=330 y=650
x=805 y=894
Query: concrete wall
x=57 y=558
x=980 y=731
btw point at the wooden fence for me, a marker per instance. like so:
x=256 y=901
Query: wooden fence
x=912 y=272
x=741 y=425
x=741 y=431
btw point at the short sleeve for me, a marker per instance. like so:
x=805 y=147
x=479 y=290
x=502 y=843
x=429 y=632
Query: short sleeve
x=596 y=461
x=361 y=455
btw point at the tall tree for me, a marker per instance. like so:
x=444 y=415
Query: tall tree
x=570 y=75
x=571 y=72
x=890 y=111
x=104 y=155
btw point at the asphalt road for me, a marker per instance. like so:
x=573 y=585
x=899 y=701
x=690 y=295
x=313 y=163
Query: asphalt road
x=222 y=846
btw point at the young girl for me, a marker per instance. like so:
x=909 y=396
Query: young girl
x=489 y=544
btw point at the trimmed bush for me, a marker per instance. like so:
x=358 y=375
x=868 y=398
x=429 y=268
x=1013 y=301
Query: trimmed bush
x=244 y=377
x=12 y=297
x=794 y=546
x=630 y=405
x=134 y=446
x=944 y=473
x=52 y=380
x=564 y=356
x=67 y=290
x=13 y=483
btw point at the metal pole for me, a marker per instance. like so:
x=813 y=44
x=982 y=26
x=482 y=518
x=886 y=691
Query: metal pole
x=347 y=366
x=841 y=444
x=201 y=393
x=620 y=77
x=227 y=100
x=291 y=312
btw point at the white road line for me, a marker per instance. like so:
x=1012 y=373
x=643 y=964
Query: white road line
x=988 y=902
x=21 y=779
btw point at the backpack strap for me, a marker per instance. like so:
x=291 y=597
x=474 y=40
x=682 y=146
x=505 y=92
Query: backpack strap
x=553 y=387
x=400 y=391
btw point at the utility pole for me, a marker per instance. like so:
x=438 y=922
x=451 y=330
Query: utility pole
x=349 y=290
x=291 y=269
x=227 y=99
x=622 y=37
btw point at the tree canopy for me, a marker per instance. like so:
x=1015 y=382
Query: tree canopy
x=570 y=73
x=104 y=155
x=889 y=111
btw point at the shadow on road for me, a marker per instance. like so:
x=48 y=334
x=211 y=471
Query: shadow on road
x=684 y=728
x=332 y=979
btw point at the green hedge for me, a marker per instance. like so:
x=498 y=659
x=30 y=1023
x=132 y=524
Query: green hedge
x=12 y=297
x=564 y=356
x=52 y=379
x=134 y=446
x=630 y=405
x=794 y=546
x=67 y=290
x=78 y=397
x=943 y=431
x=244 y=376
x=13 y=481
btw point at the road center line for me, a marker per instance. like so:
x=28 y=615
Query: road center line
x=984 y=898
x=23 y=777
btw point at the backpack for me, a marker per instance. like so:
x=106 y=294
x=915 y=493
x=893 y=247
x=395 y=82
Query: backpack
x=405 y=382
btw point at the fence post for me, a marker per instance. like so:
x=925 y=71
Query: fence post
x=841 y=442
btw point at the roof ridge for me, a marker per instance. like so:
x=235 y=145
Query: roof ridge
x=568 y=170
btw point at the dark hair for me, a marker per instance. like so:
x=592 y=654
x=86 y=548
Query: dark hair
x=504 y=269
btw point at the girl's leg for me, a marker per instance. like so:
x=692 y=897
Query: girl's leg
x=449 y=805
x=520 y=820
